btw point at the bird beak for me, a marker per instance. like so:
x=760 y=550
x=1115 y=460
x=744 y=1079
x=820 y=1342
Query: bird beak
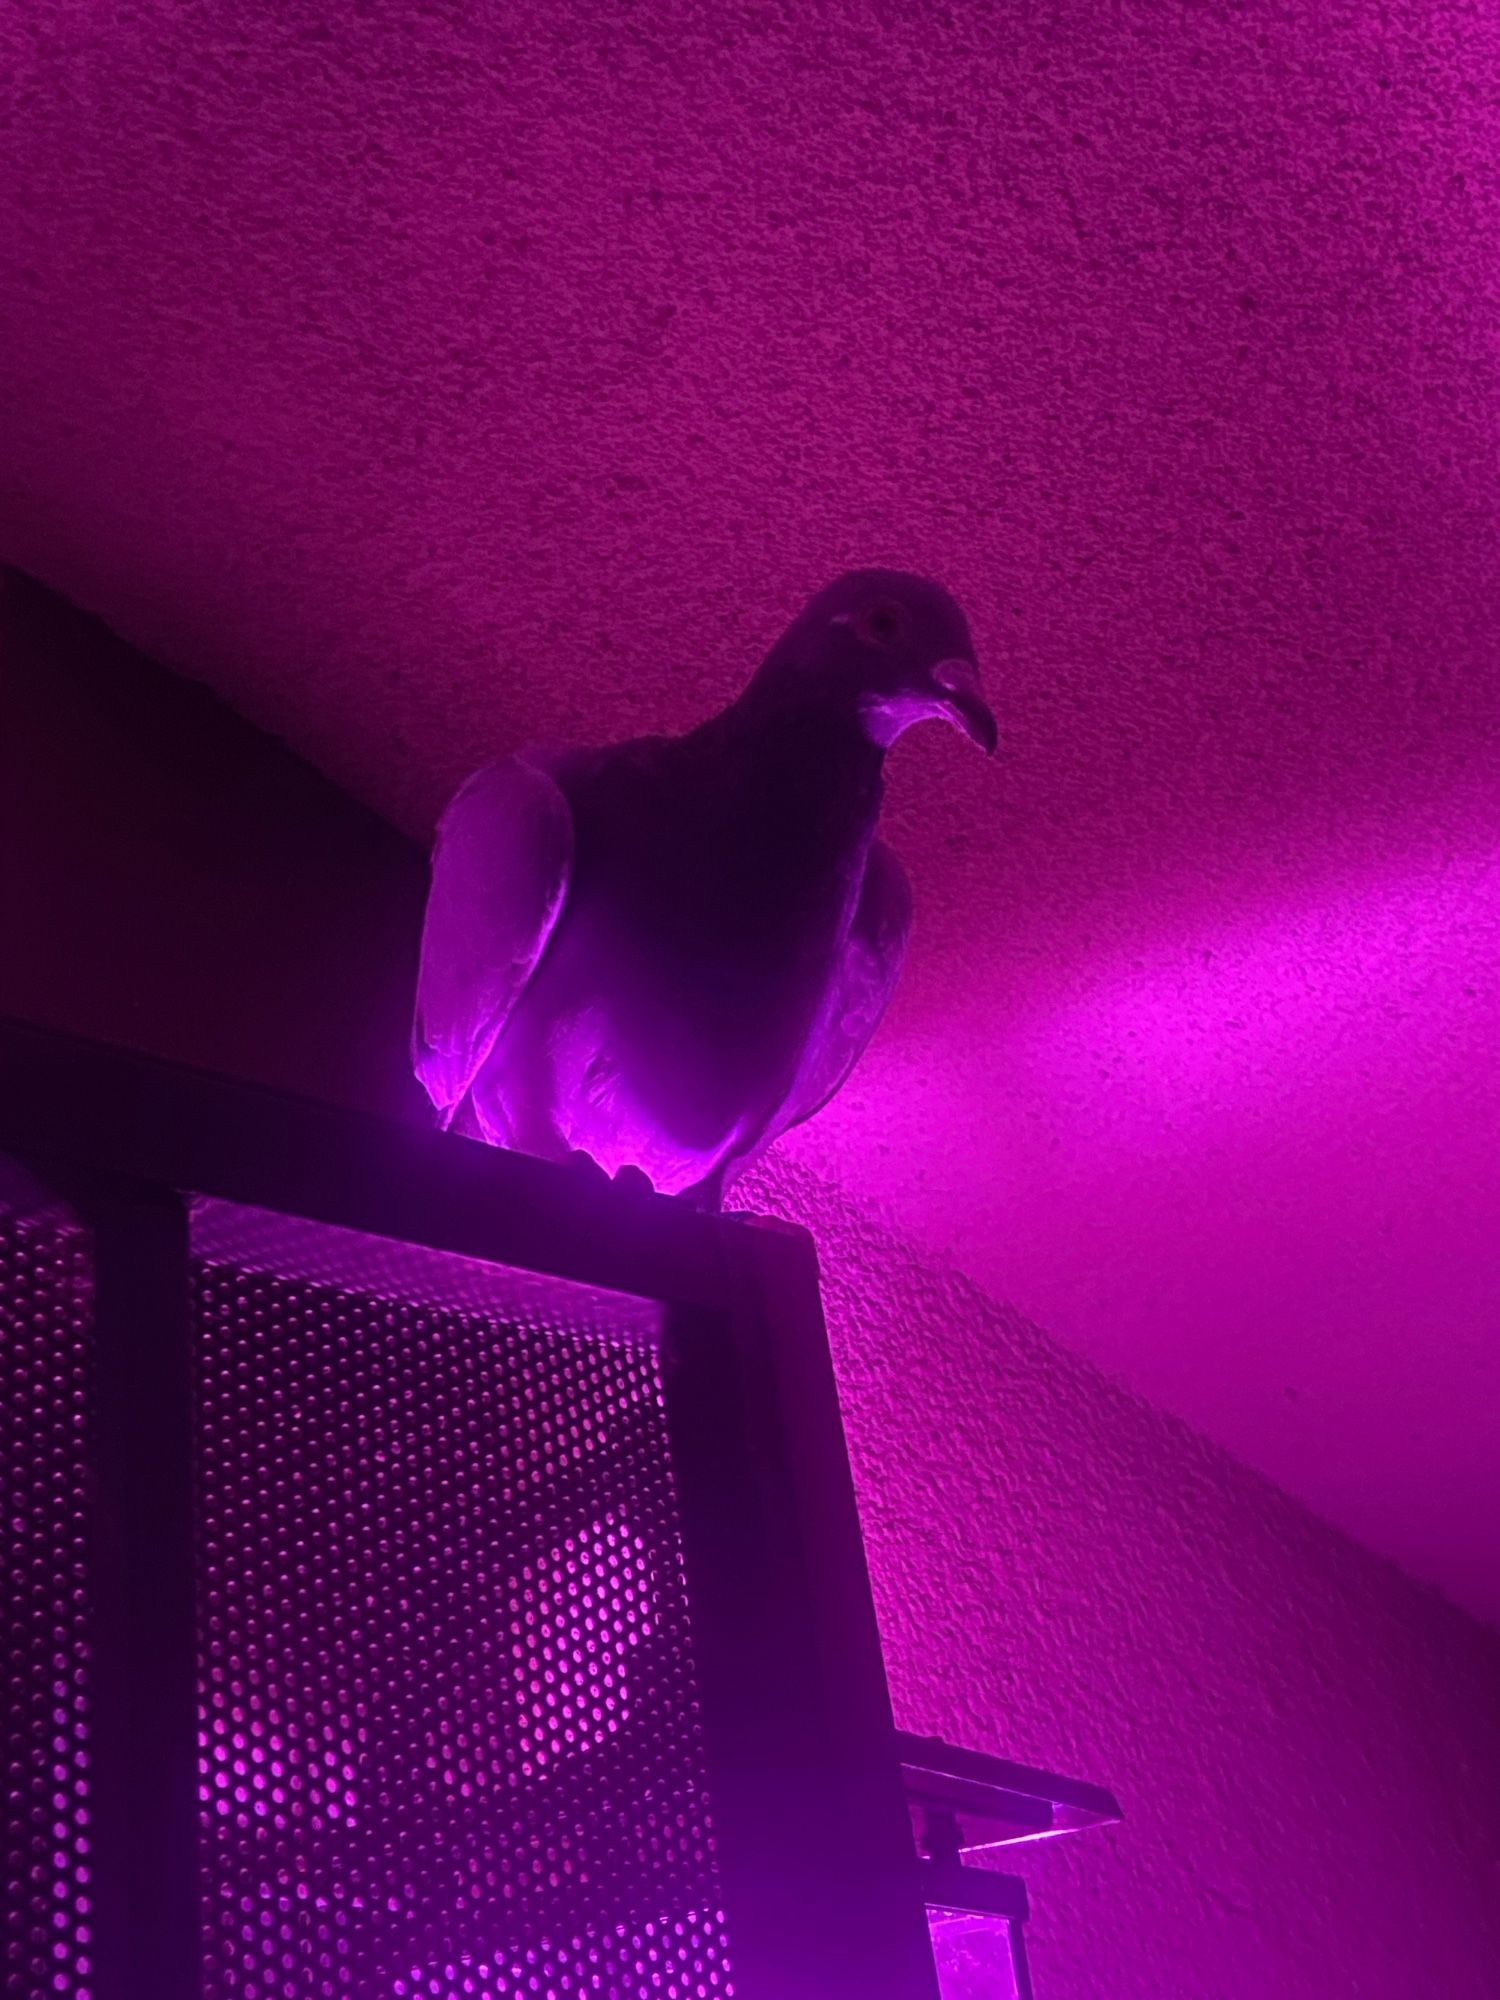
x=964 y=705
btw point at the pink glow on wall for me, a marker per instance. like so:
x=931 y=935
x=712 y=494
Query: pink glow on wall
x=1246 y=1159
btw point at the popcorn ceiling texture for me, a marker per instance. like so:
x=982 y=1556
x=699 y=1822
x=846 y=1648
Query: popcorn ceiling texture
x=1306 y=1745
x=430 y=379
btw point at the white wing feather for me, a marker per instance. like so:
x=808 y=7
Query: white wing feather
x=500 y=870
x=874 y=954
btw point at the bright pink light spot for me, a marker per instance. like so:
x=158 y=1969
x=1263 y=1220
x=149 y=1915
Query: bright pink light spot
x=582 y=1611
x=260 y=1768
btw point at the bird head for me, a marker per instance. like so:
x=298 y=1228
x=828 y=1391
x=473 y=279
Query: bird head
x=897 y=647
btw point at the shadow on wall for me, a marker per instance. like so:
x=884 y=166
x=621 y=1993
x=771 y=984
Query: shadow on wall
x=173 y=879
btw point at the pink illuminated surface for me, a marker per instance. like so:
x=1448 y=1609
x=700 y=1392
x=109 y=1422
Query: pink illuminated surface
x=436 y=382
x=581 y=1612
x=1256 y=1176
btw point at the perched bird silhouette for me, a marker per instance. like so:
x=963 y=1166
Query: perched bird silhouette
x=660 y=955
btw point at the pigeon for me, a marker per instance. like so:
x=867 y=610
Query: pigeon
x=657 y=957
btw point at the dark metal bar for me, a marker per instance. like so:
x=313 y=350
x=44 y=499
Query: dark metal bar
x=72 y=1103
x=794 y=1403
x=1002 y=1816
x=731 y=1598
x=143 y=1741
x=812 y=1832
x=975 y=1892
x=934 y=1769
x=1020 y=1964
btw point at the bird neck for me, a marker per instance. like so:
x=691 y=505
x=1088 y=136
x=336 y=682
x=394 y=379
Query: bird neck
x=807 y=745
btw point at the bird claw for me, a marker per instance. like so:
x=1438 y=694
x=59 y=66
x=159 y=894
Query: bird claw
x=630 y=1179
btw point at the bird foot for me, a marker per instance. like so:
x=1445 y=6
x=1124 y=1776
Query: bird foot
x=632 y=1180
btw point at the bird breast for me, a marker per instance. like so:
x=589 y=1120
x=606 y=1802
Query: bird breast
x=692 y=962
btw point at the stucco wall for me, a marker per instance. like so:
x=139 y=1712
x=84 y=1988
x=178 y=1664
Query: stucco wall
x=1307 y=1744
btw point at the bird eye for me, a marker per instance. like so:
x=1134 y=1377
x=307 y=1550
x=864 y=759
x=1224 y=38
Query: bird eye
x=882 y=624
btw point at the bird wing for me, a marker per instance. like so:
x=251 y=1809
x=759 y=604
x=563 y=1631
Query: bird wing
x=874 y=953
x=500 y=871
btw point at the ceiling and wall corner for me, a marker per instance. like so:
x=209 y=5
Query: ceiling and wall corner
x=1306 y=1742
x=431 y=382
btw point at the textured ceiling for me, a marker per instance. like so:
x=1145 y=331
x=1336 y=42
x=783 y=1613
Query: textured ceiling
x=429 y=379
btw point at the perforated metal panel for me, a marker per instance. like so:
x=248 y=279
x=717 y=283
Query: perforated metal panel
x=44 y=1432
x=449 y=1732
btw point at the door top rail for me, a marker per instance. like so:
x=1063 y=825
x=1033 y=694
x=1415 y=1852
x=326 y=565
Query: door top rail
x=79 y=1107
